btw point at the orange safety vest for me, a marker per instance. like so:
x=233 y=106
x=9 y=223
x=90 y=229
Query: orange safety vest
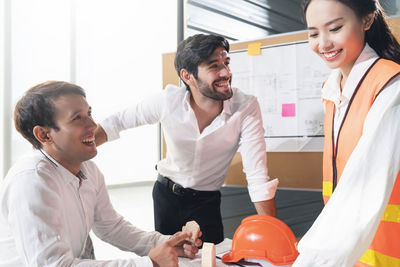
x=385 y=247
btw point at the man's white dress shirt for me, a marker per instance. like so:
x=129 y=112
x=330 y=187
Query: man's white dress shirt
x=347 y=224
x=200 y=160
x=46 y=216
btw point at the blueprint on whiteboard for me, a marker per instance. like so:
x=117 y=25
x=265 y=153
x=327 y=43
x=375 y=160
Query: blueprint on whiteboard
x=287 y=81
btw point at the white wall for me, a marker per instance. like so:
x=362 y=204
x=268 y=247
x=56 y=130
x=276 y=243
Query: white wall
x=119 y=49
x=112 y=48
x=40 y=50
x=2 y=60
x=4 y=82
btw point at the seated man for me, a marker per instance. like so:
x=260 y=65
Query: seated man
x=52 y=198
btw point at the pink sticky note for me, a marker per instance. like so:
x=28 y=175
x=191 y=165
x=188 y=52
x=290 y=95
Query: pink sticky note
x=289 y=110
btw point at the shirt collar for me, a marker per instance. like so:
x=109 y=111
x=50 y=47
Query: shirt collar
x=227 y=107
x=49 y=158
x=186 y=99
x=59 y=167
x=331 y=90
x=226 y=104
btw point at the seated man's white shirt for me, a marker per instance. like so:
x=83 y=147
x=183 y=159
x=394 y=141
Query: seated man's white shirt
x=46 y=216
x=200 y=160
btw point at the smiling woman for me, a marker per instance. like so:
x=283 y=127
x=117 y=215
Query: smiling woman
x=338 y=36
x=361 y=166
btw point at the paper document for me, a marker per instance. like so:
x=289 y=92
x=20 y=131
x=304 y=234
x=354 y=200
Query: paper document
x=221 y=249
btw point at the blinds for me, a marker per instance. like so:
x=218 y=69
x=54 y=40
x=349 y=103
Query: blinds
x=251 y=19
x=242 y=19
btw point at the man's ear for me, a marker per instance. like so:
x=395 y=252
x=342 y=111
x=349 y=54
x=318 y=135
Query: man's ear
x=186 y=76
x=42 y=134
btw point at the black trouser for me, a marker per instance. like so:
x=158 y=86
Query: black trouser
x=172 y=211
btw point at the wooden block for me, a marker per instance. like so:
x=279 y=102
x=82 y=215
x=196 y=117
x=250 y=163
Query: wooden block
x=208 y=255
x=194 y=229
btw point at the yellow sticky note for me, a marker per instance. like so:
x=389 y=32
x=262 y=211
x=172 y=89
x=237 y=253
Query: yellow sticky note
x=254 y=49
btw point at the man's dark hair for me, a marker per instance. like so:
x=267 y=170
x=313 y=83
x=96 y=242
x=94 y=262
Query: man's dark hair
x=36 y=107
x=195 y=49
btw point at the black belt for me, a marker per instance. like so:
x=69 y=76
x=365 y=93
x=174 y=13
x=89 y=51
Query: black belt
x=179 y=190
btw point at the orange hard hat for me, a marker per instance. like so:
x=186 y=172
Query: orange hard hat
x=263 y=237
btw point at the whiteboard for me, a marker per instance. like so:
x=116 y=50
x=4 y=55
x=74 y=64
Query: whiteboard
x=287 y=80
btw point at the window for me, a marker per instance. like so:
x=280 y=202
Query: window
x=112 y=48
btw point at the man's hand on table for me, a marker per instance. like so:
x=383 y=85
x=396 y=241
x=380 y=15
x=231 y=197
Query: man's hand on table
x=166 y=254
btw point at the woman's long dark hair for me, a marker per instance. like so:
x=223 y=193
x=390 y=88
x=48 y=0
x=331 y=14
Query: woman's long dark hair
x=379 y=36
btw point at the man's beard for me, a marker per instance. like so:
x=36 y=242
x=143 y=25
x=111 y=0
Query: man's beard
x=209 y=92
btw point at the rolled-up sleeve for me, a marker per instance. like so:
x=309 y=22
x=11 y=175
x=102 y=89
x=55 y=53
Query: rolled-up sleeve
x=254 y=157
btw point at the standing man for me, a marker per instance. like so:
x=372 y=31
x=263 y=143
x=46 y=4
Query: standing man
x=52 y=198
x=204 y=123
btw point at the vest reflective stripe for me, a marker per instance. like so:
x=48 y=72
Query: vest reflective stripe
x=374 y=258
x=360 y=264
x=392 y=214
x=326 y=190
x=386 y=240
x=385 y=247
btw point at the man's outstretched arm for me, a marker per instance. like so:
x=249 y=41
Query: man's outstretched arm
x=100 y=135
